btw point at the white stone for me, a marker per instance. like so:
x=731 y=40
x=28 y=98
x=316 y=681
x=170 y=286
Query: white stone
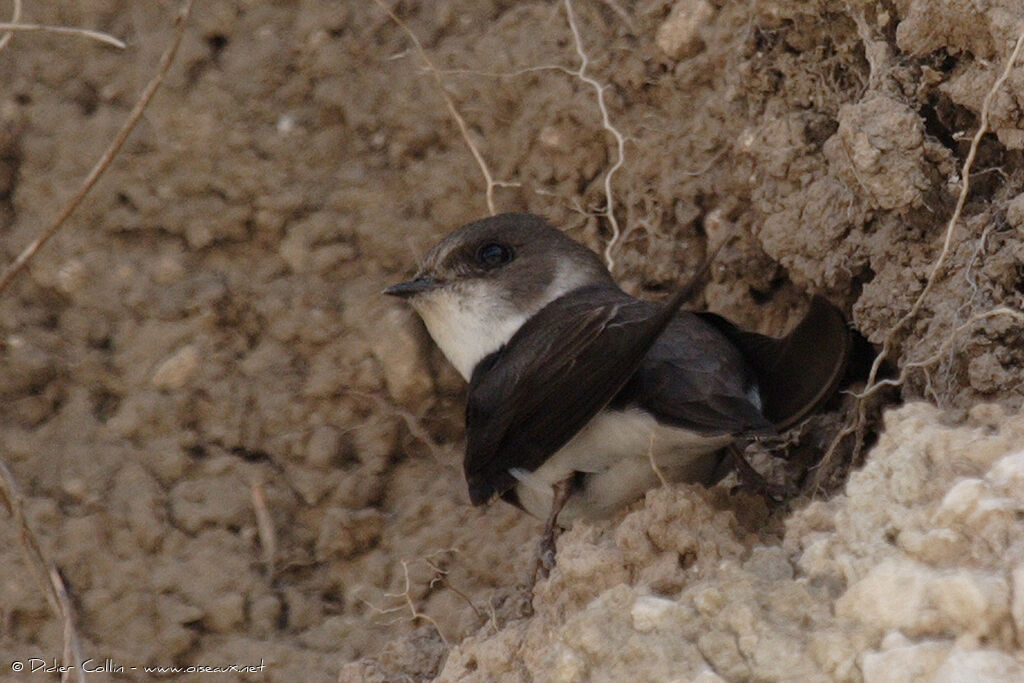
x=921 y=600
x=679 y=35
x=961 y=501
x=979 y=666
x=905 y=662
x=1008 y=473
x=650 y=612
x=177 y=369
x=1017 y=607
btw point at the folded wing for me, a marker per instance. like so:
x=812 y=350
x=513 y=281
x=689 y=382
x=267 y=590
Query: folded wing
x=695 y=378
x=563 y=365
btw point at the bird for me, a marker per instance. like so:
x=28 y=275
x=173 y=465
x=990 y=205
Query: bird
x=582 y=397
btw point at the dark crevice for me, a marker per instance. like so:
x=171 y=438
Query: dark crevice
x=104 y=404
x=126 y=201
x=251 y=454
x=934 y=126
x=87 y=97
x=284 y=614
x=333 y=601
x=216 y=44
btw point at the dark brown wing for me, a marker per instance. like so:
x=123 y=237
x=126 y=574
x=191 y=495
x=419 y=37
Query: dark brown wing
x=561 y=367
x=693 y=377
x=799 y=372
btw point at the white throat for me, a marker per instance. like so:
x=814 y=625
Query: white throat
x=471 y=320
x=467 y=328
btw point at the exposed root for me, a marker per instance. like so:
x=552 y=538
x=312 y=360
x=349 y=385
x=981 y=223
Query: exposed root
x=265 y=527
x=946 y=345
x=654 y=463
x=407 y=600
x=442 y=576
x=44 y=570
x=875 y=51
x=965 y=188
x=620 y=141
x=412 y=422
x=15 y=18
x=13 y=26
x=608 y=212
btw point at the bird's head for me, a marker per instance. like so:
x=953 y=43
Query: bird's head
x=479 y=284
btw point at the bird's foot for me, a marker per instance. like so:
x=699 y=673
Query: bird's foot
x=546 y=550
x=751 y=480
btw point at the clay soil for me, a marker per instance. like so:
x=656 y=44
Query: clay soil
x=237 y=451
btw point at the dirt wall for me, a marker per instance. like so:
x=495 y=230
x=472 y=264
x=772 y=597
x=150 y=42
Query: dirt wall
x=204 y=345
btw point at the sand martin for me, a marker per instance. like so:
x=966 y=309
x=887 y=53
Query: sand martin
x=576 y=388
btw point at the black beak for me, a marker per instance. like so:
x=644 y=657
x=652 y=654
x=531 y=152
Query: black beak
x=406 y=290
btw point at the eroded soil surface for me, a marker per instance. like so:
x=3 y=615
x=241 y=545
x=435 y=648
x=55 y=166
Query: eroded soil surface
x=236 y=450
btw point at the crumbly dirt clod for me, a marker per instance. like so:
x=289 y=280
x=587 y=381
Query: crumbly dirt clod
x=204 y=347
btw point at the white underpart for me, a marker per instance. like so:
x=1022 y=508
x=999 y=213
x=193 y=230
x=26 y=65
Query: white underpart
x=472 y=321
x=467 y=327
x=615 y=450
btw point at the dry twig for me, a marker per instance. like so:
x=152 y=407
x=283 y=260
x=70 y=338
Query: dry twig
x=459 y=121
x=44 y=570
x=108 y=156
x=46 y=574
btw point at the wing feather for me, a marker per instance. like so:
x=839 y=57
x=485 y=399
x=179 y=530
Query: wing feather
x=693 y=377
x=562 y=366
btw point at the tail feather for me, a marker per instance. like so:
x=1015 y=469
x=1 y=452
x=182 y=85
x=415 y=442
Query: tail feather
x=797 y=373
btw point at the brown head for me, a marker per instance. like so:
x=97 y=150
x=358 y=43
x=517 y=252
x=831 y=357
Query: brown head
x=479 y=284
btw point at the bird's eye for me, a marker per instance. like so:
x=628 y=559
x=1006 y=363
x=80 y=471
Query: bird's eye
x=493 y=254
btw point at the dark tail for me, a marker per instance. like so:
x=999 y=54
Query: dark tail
x=800 y=372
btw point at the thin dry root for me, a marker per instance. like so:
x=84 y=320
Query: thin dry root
x=15 y=18
x=10 y=27
x=654 y=462
x=406 y=596
x=581 y=73
x=265 y=527
x=946 y=345
x=45 y=572
x=620 y=141
x=965 y=175
x=412 y=422
x=108 y=156
x=459 y=121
